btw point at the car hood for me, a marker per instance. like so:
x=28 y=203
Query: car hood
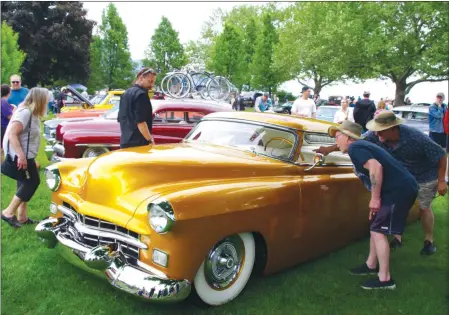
x=125 y=178
x=53 y=123
x=96 y=124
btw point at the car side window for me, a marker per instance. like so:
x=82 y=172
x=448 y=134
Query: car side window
x=194 y=117
x=175 y=117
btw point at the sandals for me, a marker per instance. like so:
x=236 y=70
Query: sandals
x=28 y=221
x=12 y=221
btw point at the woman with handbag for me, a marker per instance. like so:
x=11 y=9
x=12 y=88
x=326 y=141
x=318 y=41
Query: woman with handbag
x=21 y=144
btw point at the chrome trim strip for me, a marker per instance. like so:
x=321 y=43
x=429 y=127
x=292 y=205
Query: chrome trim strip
x=85 y=229
x=157 y=272
x=97 y=145
x=101 y=232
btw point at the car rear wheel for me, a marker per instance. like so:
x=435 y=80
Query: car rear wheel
x=286 y=111
x=94 y=152
x=226 y=269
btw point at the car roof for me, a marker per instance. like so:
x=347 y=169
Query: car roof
x=306 y=124
x=412 y=108
x=329 y=106
x=190 y=104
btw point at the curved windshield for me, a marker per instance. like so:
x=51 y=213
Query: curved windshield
x=97 y=99
x=264 y=140
x=112 y=113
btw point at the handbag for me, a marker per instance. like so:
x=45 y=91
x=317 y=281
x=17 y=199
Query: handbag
x=9 y=166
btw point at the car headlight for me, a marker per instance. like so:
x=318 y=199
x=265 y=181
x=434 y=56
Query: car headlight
x=161 y=216
x=52 y=178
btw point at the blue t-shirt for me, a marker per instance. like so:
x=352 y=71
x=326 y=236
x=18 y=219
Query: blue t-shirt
x=415 y=151
x=18 y=96
x=397 y=182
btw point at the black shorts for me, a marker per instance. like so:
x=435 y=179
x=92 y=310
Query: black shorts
x=391 y=219
x=439 y=138
x=27 y=187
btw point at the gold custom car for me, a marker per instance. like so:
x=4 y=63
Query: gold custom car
x=243 y=192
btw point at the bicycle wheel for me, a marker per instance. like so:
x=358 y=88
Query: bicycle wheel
x=218 y=88
x=178 y=85
x=163 y=89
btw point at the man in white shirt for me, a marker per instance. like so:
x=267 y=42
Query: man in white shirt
x=304 y=106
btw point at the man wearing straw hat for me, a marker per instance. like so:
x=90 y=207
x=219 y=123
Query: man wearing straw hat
x=421 y=156
x=393 y=192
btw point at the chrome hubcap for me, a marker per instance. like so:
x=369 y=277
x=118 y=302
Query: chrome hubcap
x=224 y=262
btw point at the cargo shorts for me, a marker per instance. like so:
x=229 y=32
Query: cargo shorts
x=426 y=194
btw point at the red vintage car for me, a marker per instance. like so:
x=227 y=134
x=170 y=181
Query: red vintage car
x=172 y=121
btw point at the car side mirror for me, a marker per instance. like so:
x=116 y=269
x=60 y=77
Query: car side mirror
x=318 y=160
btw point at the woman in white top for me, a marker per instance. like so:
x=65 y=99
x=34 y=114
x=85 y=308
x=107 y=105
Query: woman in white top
x=344 y=113
x=21 y=143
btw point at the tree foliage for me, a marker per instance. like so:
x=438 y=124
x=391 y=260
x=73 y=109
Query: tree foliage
x=55 y=37
x=96 y=80
x=265 y=74
x=165 y=51
x=12 y=56
x=408 y=43
x=116 y=66
x=229 y=56
x=317 y=42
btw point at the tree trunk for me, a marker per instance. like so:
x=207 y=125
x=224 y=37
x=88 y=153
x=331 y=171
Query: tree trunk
x=317 y=89
x=401 y=86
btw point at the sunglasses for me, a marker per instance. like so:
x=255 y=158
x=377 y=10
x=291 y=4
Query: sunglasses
x=15 y=82
x=149 y=71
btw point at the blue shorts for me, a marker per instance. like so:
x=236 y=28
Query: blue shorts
x=391 y=219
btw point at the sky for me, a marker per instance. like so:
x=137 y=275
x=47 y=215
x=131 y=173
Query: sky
x=187 y=18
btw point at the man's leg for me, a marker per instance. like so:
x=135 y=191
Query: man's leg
x=383 y=254
x=427 y=192
x=371 y=262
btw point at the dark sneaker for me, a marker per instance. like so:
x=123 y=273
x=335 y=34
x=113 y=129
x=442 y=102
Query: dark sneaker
x=395 y=243
x=376 y=284
x=429 y=248
x=363 y=270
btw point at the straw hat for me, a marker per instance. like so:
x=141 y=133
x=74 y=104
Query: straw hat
x=384 y=120
x=349 y=128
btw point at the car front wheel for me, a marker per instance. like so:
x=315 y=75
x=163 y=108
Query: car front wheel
x=94 y=152
x=226 y=269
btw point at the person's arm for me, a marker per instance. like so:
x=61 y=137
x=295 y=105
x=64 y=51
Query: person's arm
x=314 y=110
x=326 y=150
x=14 y=142
x=442 y=168
x=436 y=112
x=142 y=110
x=376 y=176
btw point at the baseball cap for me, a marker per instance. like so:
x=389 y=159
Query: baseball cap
x=441 y=94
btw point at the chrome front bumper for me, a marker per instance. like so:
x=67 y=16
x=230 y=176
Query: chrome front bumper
x=54 y=152
x=109 y=262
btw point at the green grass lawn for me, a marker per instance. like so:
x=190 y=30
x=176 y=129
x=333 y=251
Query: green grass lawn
x=35 y=280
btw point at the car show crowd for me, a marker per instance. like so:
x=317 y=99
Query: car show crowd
x=397 y=163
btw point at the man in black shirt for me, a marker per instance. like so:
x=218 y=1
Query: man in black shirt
x=364 y=110
x=136 y=113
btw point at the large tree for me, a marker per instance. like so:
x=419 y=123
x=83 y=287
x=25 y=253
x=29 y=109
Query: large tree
x=317 y=42
x=407 y=43
x=117 y=67
x=12 y=56
x=229 y=56
x=265 y=74
x=96 y=80
x=165 y=51
x=55 y=36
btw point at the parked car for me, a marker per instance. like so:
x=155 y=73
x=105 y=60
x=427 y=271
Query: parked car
x=159 y=95
x=285 y=108
x=249 y=98
x=326 y=112
x=243 y=192
x=105 y=101
x=173 y=120
x=416 y=116
x=335 y=100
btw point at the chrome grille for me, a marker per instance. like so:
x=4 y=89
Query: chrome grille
x=94 y=240
x=318 y=138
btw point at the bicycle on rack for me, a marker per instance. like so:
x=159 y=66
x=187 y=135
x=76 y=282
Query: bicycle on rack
x=178 y=84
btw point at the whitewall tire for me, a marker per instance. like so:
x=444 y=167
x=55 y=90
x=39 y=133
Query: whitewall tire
x=226 y=269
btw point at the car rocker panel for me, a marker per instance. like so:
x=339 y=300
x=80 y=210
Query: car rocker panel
x=157 y=220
